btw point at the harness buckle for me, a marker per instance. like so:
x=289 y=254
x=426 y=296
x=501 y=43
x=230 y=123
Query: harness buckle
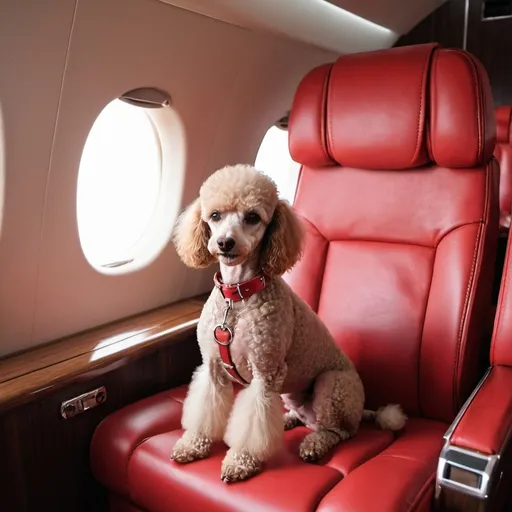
x=223 y=328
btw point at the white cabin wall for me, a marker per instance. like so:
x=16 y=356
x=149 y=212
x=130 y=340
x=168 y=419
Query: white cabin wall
x=33 y=41
x=228 y=85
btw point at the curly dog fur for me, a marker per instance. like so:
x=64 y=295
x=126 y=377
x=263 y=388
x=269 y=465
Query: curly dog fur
x=280 y=346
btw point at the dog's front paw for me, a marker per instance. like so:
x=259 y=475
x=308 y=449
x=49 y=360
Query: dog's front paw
x=239 y=466
x=190 y=448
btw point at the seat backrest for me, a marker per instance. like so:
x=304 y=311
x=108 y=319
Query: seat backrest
x=503 y=153
x=398 y=190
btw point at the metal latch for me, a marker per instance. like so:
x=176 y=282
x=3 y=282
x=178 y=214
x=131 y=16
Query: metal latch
x=82 y=403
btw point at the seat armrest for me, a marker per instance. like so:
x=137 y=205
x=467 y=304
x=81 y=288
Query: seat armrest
x=478 y=437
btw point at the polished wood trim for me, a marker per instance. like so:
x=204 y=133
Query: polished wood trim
x=44 y=459
x=86 y=342
x=29 y=375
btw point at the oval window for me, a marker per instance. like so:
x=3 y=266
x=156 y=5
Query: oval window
x=119 y=183
x=274 y=160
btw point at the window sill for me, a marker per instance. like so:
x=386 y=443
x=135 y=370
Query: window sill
x=29 y=375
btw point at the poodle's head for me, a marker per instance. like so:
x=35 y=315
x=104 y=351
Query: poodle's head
x=238 y=212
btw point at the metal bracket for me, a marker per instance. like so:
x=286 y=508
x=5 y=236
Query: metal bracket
x=477 y=468
x=82 y=403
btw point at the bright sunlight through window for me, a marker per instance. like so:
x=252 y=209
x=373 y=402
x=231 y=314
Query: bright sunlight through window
x=274 y=160
x=118 y=183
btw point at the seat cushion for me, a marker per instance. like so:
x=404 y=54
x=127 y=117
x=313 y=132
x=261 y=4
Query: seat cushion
x=131 y=448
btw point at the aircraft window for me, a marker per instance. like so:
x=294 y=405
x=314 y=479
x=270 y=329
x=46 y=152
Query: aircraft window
x=119 y=182
x=274 y=160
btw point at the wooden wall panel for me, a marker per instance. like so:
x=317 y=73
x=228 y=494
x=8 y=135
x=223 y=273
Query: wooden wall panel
x=445 y=25
x=489 y=40
x=45 y=459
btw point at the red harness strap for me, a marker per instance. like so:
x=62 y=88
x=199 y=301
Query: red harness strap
x=222 y=333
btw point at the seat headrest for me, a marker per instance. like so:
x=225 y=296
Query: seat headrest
x=394 y=109
x=503 y=120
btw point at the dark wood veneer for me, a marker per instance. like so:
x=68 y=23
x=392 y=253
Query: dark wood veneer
x=445 y=26
x=489 y=40
x=44 y=459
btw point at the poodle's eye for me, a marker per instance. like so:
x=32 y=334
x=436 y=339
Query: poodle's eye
x=252 y=218
x=215 y=216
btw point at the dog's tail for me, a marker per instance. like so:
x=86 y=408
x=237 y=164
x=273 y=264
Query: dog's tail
x=389 y=417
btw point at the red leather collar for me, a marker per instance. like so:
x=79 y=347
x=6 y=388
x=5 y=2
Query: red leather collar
x=240 y=291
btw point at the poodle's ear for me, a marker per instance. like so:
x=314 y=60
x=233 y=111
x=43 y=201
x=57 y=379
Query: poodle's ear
x=191 y=236
x=282 y=245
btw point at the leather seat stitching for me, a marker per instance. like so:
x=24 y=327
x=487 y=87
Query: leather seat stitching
x=328 y=102
x=421 y=110
x=325 y=116
x=480 y=98
x=464 y=317
x=427 y=486
x=398 y=242
x=420 y=408
x=433 y=101
x=502 y=304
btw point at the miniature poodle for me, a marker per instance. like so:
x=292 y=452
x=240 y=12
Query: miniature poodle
x=256 y=331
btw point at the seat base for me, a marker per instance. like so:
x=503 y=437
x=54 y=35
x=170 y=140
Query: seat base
x=131 y=456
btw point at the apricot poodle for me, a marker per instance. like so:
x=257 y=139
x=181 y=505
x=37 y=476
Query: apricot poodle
x=255 y=330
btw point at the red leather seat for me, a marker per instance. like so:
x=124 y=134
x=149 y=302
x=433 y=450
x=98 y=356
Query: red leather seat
x=482 y=430
x=399 y=194
x=503 y=153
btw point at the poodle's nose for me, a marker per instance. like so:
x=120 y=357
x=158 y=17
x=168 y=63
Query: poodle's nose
x=225 y=244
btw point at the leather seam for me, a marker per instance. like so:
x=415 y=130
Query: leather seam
x=502 y=302
x=322 y=277
x=456 y=228
x=327 y=247
x=433 y=101
x=329 y=489
x=299 y=177
x=324 y=128
x=479 y=102
x=329 y=100
x=420 y=408
x=464 y=317
x=422 y=110
x=391 y=242
x=387 y=242
x=423 y=491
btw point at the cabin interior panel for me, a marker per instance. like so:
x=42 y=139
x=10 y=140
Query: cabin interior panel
x=459 y=24
x=233 y=84
x=45 y=458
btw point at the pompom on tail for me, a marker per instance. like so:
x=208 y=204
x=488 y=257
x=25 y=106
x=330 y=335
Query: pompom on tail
x=390 y=417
